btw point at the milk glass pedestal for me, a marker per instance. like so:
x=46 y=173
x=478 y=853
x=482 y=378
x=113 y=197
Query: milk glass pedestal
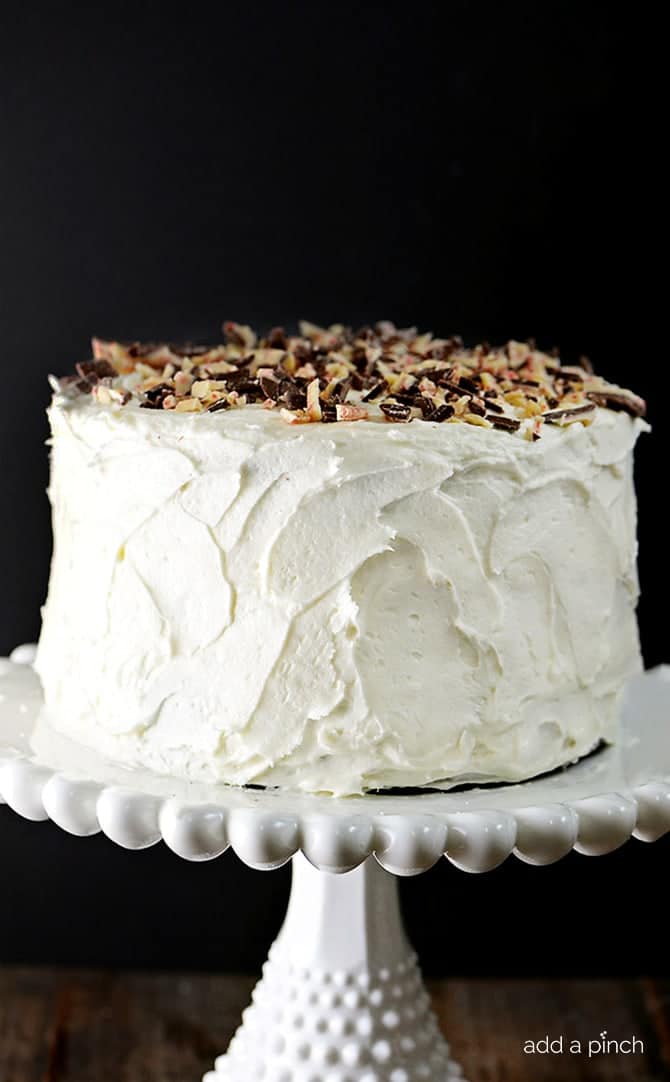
x=341 y=998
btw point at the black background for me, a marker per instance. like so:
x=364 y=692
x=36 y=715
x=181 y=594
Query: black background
x=473 y=168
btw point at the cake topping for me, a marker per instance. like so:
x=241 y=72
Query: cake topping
x=326 y=375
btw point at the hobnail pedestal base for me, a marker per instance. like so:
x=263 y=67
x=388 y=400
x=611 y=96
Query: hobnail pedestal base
x=341 y=998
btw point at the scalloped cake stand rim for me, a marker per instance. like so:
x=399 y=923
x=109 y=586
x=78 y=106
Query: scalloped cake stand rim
x=341 y=997
x=594 y=806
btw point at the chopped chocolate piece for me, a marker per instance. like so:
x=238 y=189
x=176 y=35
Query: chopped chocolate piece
x=359 y=358
x=328 y=412
x=249 y=387
x=467 y=385
x=490 y=403
x=572 y=372
x=453 y=388
x=296 y=399
x=270 y=387
x=286 y=383
x=92 y=371
x=442 y=413
x=303 y=351
x=559 y=416
x=375 y=391
x=477 y=406
x=233 y=379
x=239 y=335
x=438 y=352
x=427 y=407
x=498 y=420
x=155 y=394
x=342 y=389
x=395 y=411
x=443 y=376
x=219 y=404
x=628 y=403
x=432 y=373
x=277 y=338
x=142 y=349
x=406 y=397
x=188 y=349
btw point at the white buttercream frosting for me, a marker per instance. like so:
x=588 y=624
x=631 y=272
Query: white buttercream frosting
x=337 y=607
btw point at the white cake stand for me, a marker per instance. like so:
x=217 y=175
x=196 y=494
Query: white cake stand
x=341 y=998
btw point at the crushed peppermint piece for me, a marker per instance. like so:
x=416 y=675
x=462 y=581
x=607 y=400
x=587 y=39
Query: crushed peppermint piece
x=313 y=400
x=183 y=382
x=345 y=412
x=327 y=375
x=294 y=417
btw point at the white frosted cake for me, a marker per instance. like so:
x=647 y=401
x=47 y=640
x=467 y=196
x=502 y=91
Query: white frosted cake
x=340 y=561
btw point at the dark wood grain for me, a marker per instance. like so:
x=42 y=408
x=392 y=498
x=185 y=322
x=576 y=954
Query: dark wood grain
x=72 y=1026
x=488 y=1022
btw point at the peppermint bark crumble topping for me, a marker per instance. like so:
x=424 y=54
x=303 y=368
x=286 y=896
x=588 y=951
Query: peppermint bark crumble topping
x=334 y=375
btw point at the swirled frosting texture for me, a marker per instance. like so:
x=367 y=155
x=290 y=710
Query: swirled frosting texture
x=337 y=608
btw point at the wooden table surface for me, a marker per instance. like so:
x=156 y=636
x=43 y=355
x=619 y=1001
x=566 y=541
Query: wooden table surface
x=81 y=1026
